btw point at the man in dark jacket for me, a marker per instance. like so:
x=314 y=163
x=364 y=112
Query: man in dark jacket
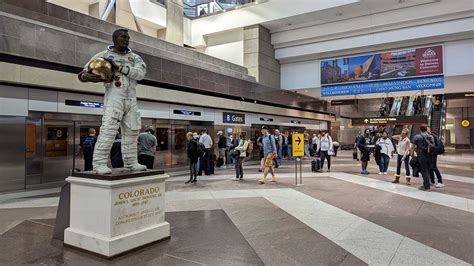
x=116 y=158
x=421 y=143
x=87 y=145
x=365 y=145
x=193 y=156
x=434 y=162
x=222 y=146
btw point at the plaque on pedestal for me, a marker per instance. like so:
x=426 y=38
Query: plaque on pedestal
x=113 y=214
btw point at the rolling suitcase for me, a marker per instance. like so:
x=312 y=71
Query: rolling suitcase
x=316 y=165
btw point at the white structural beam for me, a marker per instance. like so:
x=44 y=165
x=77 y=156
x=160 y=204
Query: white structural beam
x=149 y=13
x=257 y=14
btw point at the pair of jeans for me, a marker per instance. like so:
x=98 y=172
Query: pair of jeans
x=435 y=170
x=280 y=154
x=285 y=151
x=290 y=152
x=147 y=160
x=407 y=165
x=425 y=169
x=306 y=149
x=239 y=170
x=325 y=155
x=192 y=170
x=88 y=161
x=384 y=162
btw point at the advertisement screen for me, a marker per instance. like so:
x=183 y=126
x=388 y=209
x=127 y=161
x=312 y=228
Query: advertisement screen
x=384 y=72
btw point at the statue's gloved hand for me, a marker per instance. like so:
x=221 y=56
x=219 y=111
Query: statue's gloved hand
x=115 y=66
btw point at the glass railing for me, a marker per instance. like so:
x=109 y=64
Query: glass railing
x=199 y=8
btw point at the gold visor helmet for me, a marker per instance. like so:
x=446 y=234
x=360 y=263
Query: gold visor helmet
x=101 y=67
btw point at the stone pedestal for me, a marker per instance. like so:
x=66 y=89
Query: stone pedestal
x=112 y=214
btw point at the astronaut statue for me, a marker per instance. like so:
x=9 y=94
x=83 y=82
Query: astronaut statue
x=120 y=69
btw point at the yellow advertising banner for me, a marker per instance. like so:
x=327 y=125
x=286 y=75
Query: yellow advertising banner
x=297 y=145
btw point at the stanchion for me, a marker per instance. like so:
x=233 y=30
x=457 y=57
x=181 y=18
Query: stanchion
x=296 y=171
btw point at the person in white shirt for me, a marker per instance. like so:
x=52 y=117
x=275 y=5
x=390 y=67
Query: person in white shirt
x=325 y=149
x=205 y=161
x=386 y=151
x=403 y=155
x=240 y=154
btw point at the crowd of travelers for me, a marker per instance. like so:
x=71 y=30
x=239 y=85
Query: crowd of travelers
x=417 y=156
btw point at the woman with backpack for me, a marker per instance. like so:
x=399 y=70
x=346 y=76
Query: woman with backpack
x=193 y=156
x=240 y=153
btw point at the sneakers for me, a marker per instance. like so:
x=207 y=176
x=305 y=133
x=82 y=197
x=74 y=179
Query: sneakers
x=261 y=181
x=422 y=188
x=381 y=173
x=364 y=172
x=235 y=179
x=385 y=173
x=103 y=170
x=439 y=185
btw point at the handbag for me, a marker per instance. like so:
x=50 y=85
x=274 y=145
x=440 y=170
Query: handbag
x=331 y=152
x=414 y=162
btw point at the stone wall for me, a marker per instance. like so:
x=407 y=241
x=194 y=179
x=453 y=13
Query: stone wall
x=34 y=29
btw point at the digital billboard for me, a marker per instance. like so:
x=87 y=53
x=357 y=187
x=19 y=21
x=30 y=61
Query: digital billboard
x=407 y=69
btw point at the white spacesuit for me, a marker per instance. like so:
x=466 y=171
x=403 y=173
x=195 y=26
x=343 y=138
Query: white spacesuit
x=120 y=109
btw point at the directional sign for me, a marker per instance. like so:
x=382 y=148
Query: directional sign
x=297 y=145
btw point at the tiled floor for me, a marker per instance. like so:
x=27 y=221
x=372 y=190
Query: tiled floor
x=335 y=218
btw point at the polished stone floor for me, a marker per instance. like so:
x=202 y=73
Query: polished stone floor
x=334 y=218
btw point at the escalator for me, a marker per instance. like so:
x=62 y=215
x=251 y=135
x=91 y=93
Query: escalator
x=438 y=115
x=425 y=109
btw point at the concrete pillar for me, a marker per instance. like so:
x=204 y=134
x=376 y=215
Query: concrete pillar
x=174 y=23
x=259 y=56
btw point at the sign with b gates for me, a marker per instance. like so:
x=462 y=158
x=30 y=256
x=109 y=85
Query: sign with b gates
x=233 y=118
x=297 y=145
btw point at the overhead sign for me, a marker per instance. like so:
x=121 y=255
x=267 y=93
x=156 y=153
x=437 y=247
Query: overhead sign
x=459 y=95
x=395 y=120
x=344 y=102
x=407 y=69
x=234 y=118
x=297 y=145
x=465 y=123
x=186 y=112
x=87 y=104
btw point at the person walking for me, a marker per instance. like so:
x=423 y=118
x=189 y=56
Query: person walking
x=335 y=145
x=386 y=152
x=306 y=144
x=147 y=148
x=279 y=142
x=269 y=152
x=193 y=156
x=260 y=153
x=325 y=149
x=290 y=146
x=434 y=161
x=116 y=152
x=423 y=144
x=365 y=145
x=222 y=146
x=206 y=140
x=285 y=145
x=315 y=143
x=88 y=145
x=403 y=156
x=239 y=155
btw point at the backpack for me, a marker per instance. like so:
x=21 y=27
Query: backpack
x=88 y=145
x=429 y=147
x=439 y=146
x=201 y=149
